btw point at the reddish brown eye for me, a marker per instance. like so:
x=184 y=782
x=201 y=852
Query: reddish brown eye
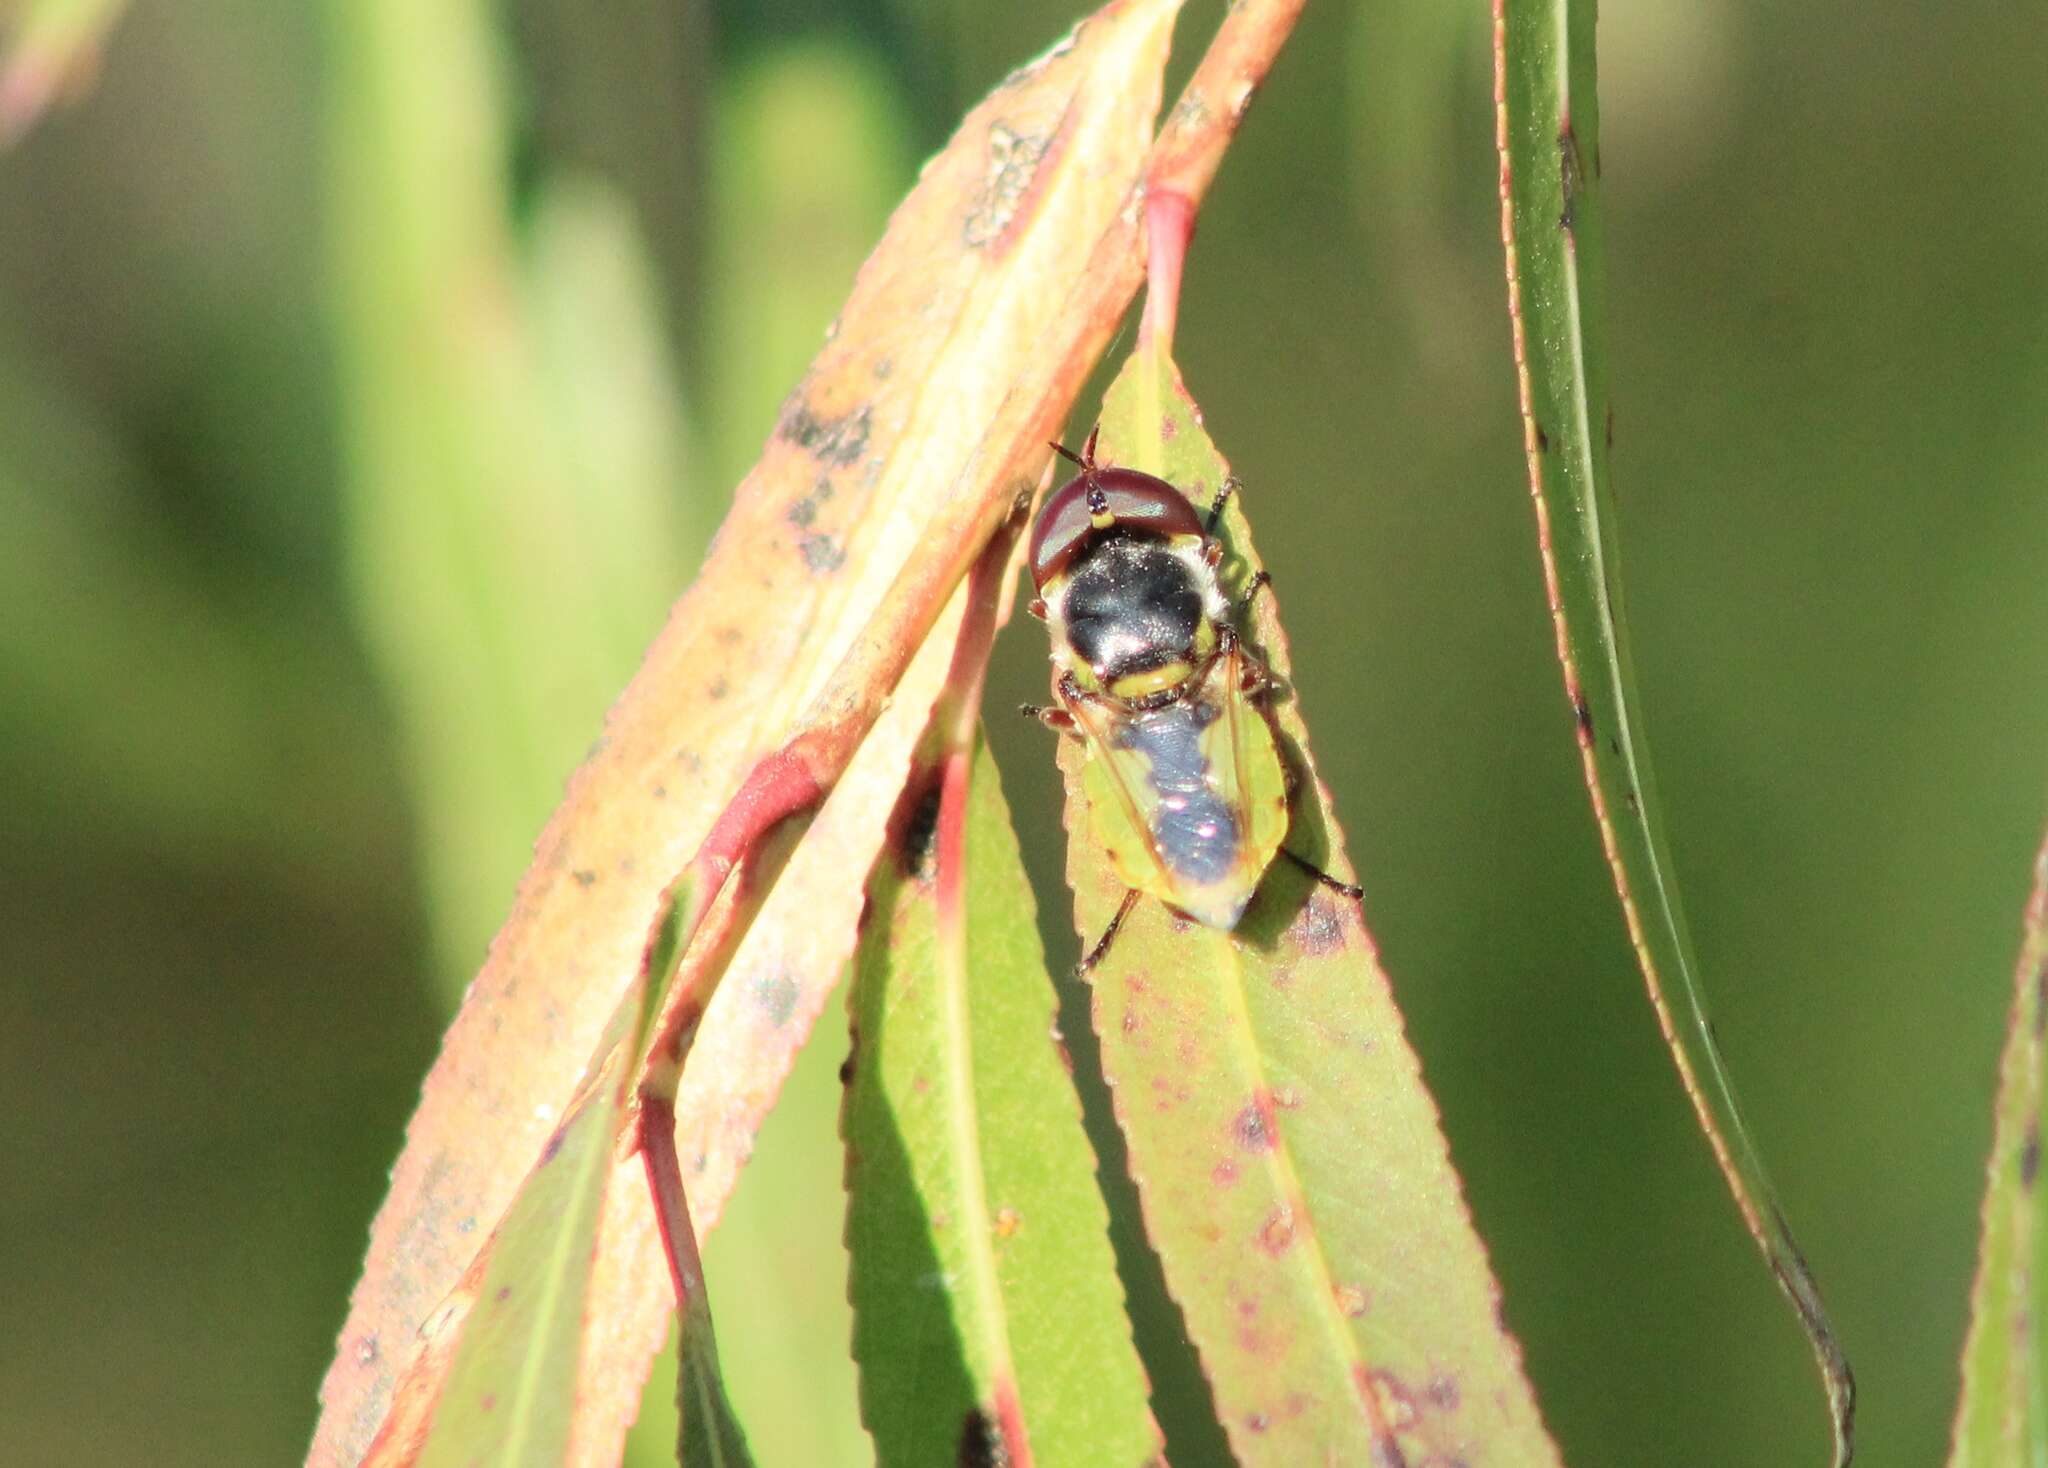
x=1139 y=501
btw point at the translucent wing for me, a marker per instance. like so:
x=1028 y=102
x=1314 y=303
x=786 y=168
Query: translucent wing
x=1189 y=799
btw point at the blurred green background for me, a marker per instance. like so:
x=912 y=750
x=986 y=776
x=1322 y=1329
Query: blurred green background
x=371 y=376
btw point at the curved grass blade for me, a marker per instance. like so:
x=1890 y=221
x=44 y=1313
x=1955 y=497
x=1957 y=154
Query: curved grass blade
x=1547 y=125
x=51 y=46
x=2002 y=1417
x=986 y=1303
x=1292 y=1173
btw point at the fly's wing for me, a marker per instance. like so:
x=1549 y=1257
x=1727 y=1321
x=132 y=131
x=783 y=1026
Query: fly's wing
x=1189 y=800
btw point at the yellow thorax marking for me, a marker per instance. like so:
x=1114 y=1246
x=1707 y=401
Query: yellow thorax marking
x=1152 y=680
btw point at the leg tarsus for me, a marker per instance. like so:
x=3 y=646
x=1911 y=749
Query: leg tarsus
x=1346 y=889
x=1224 y=491
x=1095 y=954
x=1055 y=719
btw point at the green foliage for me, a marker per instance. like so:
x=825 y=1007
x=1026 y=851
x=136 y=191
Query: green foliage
x=2003 y=1417
x=1293 y=1178
x=1550 y=149
x=981 y=1272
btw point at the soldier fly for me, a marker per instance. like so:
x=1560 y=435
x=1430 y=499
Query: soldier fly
x=1184 y=779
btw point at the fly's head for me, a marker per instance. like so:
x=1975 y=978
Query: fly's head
x=1127 y=584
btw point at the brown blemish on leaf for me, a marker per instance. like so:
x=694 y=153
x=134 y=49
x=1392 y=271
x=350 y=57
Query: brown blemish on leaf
x=914 y=826
x=1386 y=1453
x=1008 y=1221
x=1442 y=1393
x=1254 y=1128
x=554 y=1146
x=366 y=1350
x=1318 y=929
x=1276 y=1236
x=1583 y=713
x=1013 y=166
x=1224 y=1173
x=718 y=690
x=1257 y=1422
x=822 y=554
x=490 y=1402
x=837 y=441
x=1571 y=176
x=1542 y=440
x=504 y=1294
x=1396 y=1406
x=584 y=877
x=2030 y=1155
x=1351 y=1300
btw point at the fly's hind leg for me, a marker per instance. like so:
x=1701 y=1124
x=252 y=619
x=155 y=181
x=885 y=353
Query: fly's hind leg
x=1346 y=889
x=1224 y=491
x=1095 y=954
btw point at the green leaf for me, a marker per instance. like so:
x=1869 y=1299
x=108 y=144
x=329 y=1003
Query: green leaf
x=1292 y=1174
x=510 y=1393
x=1549 y=139
x=986 y=1300
x=2002 y=1418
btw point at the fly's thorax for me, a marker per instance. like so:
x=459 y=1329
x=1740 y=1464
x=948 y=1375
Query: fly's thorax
x=1135 y=615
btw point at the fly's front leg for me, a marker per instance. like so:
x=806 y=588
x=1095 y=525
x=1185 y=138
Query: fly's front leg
x=1056 y=719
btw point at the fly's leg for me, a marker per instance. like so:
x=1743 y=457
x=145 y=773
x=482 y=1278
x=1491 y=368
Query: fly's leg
x=1224 y=491
x=1095 y=954
x=1243 y=603
x=1345 y=889
x=1057 y=720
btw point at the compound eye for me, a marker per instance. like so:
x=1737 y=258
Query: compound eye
x=1132 y=607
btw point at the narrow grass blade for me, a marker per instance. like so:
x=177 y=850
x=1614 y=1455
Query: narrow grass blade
x=1549 y=140
x=1293 y=1176
x=989 y=1322
x=2002 y=1418
x=48 y=47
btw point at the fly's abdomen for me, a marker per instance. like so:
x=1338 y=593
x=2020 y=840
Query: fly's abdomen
x=1192 y=825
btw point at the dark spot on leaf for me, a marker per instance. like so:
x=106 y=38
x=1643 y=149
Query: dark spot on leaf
x=1571 y=175
x=1254 y=1125
x=1391 y=1398
x=846 y=1066
x=1319 y=929
x=554 y=1145
x=504 y=1294
x=1610 y=425
x=1634 y=802
x=836 y=441
x=1168 y=427
x=1442 y=1392
x=1276 y=1235
x=1013 y=160
x=718 y=690
x=2030 y=1155
x=585 y=877
x=1582 y=712
x=1542 y=440
x=776 y=996
x=915 y=839
x=1257 y=1422
x=822 y=554
x=981 y=1445
x=366 y=1350
x=1386 y=1453
x=466 y=1224
x=2041 y=1001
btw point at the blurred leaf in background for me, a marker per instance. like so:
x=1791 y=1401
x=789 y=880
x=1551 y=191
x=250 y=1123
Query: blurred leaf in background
x=224 y=980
